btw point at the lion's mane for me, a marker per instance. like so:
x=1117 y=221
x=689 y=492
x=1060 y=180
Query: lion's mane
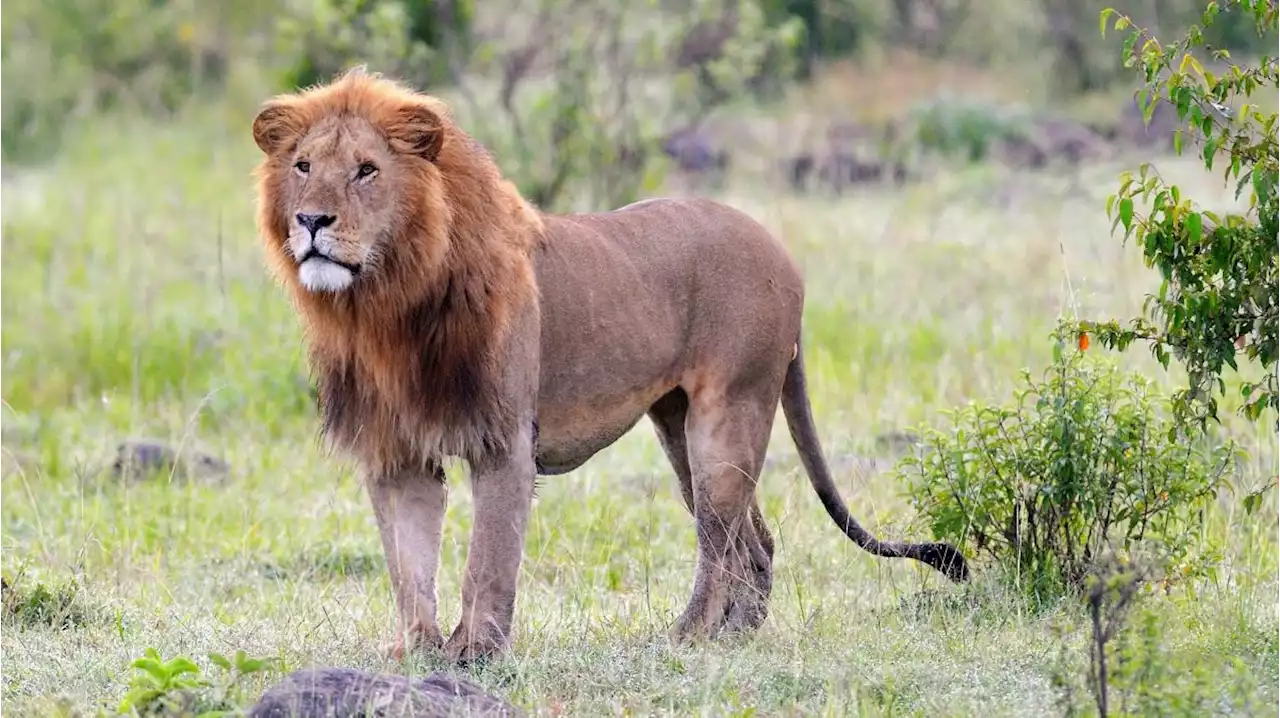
x=404 y=360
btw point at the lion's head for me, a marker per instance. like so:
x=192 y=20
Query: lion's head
x=348 y=168
x=404 y=248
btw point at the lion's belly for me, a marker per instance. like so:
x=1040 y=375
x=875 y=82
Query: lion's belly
x=568 y=435
x=613 y=341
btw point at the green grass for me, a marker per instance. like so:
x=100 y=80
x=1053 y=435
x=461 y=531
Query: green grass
x=135 y=303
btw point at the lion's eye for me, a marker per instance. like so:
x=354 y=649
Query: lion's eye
x=303 y=167
x=366 y=169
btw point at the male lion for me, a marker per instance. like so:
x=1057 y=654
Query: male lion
x=446 y=316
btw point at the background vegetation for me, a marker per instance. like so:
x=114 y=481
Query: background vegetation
x=949 y=174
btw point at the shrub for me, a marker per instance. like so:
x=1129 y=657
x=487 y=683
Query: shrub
x=1134 y=669
x=831 y=29
x=178 y=686
x=33 y=604
x=1219 y=296
x=1083 y=461
x=414 y=40
x=963 y=129
x=64 y=59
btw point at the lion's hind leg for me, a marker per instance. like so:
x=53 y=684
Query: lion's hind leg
x=726 y=438
x=668 y=415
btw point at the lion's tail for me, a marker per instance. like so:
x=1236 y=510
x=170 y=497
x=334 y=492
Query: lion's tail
x=795 y=406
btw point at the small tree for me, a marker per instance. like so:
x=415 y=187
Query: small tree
x=1218 y=292
x=582 y=101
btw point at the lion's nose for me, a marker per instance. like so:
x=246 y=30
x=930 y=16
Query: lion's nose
x=315 y=222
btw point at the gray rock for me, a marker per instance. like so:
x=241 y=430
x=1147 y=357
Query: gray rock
x=348 y=693
x=695 y=151
x=137 y=458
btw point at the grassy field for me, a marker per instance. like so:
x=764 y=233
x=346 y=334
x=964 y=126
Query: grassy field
x=135 y=304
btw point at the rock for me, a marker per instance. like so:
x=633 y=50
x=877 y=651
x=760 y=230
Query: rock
x=695 y=152
x=840 y=169
x=1072 y=141
x=137 y=458
x=348 y=693
x=1048 y=140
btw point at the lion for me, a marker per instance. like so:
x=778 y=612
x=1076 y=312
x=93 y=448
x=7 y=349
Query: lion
x=446 y=316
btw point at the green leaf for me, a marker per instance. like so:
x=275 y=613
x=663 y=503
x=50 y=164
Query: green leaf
x=1193 y=227
x=152 y=667
x=1210 y=148
x=1251 y=503
x=1126 y=213
x=1103 y=17
x=181 y=665
x=220 y=660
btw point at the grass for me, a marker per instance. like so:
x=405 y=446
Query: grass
x=135 y=303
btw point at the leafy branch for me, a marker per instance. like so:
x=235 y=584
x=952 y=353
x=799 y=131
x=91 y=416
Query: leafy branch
x=1218 y=297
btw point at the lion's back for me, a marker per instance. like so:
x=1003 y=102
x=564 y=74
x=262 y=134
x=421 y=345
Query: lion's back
x=686 y=236
x=662 y=277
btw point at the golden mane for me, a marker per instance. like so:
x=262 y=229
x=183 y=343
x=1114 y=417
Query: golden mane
x=404 y=360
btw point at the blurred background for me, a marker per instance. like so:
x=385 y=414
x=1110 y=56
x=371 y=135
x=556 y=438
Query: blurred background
x=591 y=103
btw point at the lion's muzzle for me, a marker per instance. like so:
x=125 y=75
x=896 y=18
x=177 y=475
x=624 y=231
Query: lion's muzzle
x=314 y=253
x=318 y=269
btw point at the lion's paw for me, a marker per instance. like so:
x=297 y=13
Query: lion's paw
x=486 y=643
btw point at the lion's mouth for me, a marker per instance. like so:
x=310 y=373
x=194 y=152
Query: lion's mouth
x=314 y=253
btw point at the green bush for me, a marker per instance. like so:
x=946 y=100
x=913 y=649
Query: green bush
x=414 y=40
x=831 y=29
x=178 y=686
x=963 y=129
x=63 y=59
x=1081 y=463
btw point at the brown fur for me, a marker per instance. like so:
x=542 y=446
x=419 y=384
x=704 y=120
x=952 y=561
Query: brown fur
x=448 y=317
x=429 y=326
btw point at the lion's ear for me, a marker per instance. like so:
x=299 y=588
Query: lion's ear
x=417 y=130
x=277 y=124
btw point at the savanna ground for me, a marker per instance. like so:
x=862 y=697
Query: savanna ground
x=135 y=304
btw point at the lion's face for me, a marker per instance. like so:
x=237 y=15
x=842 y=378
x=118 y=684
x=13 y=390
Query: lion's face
x=344 y=185
x=340 y=202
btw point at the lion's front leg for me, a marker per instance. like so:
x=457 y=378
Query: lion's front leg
x=503 y=491
x=409 y=508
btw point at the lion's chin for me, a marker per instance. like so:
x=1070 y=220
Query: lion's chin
x=321 y=275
